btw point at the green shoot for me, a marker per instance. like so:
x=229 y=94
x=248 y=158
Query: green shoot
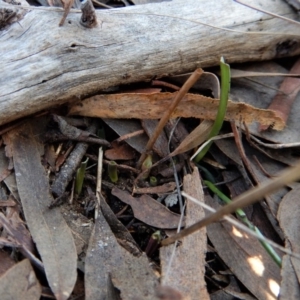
x=113 y=171
x=225 y=88
x=80 y=177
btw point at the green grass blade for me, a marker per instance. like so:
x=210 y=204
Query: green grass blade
x=225 y=88
x=80 y=177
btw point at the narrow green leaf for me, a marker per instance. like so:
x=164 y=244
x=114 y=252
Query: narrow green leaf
x=225 y=88
x=80 y=177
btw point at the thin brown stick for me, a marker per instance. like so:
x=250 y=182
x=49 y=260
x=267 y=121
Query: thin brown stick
x=129 y=135
x=249 y=197
x=184 y=89
x=165 y=84
x=264 y=171
x=240 y=147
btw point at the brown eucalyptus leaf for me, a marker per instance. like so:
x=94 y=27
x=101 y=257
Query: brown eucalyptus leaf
x=153 y=106
x=188 y=267
x=109 y=267
x=6 y=262
x=195 y=138
x=161 y=144
x=16 y=228
x=120 y=152
x=123 y=127
x=48 y=228
x=289 y=288
x=289 y=220
x=207 y=81
x=245 y=257
x=148 y=210
x=19 y=282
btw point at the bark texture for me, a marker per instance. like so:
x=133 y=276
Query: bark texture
x=44 y=65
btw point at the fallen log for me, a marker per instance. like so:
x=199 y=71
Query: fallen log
x=44 y=65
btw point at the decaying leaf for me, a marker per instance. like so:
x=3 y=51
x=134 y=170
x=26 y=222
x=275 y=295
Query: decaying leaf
x=152 y=106
x=161 y=189
x=259 y=92
x=161 y=144
x=49 y=230
x=245 y=257
x=16 y=228
x=188 y=267
x=6 y=262
x=283 y=101
x=195 y=138
x=149 y=210
x=289 y=220
x=109 y=267
x=119 y=152
x=289 y=288
x=19 y=282
x=123 y=127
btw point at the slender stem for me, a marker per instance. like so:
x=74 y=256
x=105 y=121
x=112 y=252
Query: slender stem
x=184 y=89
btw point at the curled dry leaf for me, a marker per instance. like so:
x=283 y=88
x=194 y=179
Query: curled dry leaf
x=153 y=106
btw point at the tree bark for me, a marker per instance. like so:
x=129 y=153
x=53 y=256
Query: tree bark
x=44 y=65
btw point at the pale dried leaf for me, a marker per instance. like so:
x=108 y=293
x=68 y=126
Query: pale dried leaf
x=6 y=262
x=245 y=257
x=107 y=264
x=289 y=288
x=188 y=267
x=195 y=138
x=19 y=282
x=153 y=106
x=49 y=230
x=289 y=220
x=207 y=81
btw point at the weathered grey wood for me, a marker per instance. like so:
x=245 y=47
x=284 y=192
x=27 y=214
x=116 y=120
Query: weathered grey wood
x=43 y=65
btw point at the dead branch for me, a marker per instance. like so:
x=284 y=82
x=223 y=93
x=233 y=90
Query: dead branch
x=44 y=65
